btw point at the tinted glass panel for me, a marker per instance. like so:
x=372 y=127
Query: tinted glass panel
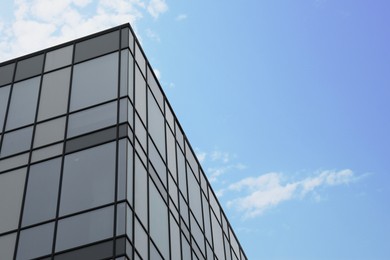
x=175 y=240
x=11 y=194
x=85 y=228
x=89 y=179
x=140 y=95
x=47 y=152
x=7 y=246
x=54 y=94
x=17 y=141
x=140 y=58
x=49 y=132
x=94 y=81
x=92 y=119
x=217 y=238
x=42 y=192
x=97 y=251
x=158 y=220
x=4 y=94
x=13 y=162
x=156 y=124
x=194 y=197
x=6 y=74
x=97 y=46
x=59 y=58
x=140 y=192
x=152 y=81
x=34 y=242
x=171 y=153
x=29 y=67
x=141 y=240
x=23 y=105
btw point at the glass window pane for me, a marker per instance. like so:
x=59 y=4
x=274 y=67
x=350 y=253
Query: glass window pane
x=217 y=238
x=47 y=152
x=141 y=240
x=156 y=124
x=206 y=212
x=181 y=169
x=23 y=105
x=29 y=67
x=7 y=246
x=11 y=195
x=59 y=58
x=6 y=73
x=17 y=141
x=171 y=153
x=175 y=239
x=192 y=161
x=42 y=192
x=140 y=94
x=197 y=234
x=158 y=163
x=130 y=175
x=140 y=58
x=35 y=242
x=54 y=94
x=13 y=162
x=88 y=179
x=194 y=196
x=158 y=220
x=97 y=46
x=94 y=81
x=169 y=115
x=4 y=94
x=126 y=80
x=140 y=192
x=186 y=248
x=85 y=228
x=92 y=119
x=152 y=82
x=49 y=132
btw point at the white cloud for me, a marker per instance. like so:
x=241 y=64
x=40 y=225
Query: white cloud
x=152 y=35
x=181 y=17
x=268 y=190
x=38 y=24
x=157 y=7
x=201 y=156
x=215 y=172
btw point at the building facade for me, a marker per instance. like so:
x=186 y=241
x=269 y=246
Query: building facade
x=95 y=165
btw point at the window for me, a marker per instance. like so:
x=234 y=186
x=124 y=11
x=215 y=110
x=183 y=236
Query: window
x=36 y=241
x=11 y=194
x=42 y=192
x=85 y=228
x=94 y=81
x=23 y=105
x=88 y=179
x=54 y=94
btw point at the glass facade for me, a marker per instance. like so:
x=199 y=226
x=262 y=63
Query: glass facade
x=95 y=165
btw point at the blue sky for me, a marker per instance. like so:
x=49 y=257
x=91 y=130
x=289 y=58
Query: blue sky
x=285 y=102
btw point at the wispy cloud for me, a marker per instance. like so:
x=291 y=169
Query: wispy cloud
x=218 y=163
x=268 y=190
x=152 y=35
x=37 y=24
x=181 y=17
x=157 y=7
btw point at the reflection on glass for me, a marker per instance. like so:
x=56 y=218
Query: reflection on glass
x=88 y=179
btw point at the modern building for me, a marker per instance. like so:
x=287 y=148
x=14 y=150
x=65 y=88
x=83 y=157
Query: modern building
x=95 y=165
